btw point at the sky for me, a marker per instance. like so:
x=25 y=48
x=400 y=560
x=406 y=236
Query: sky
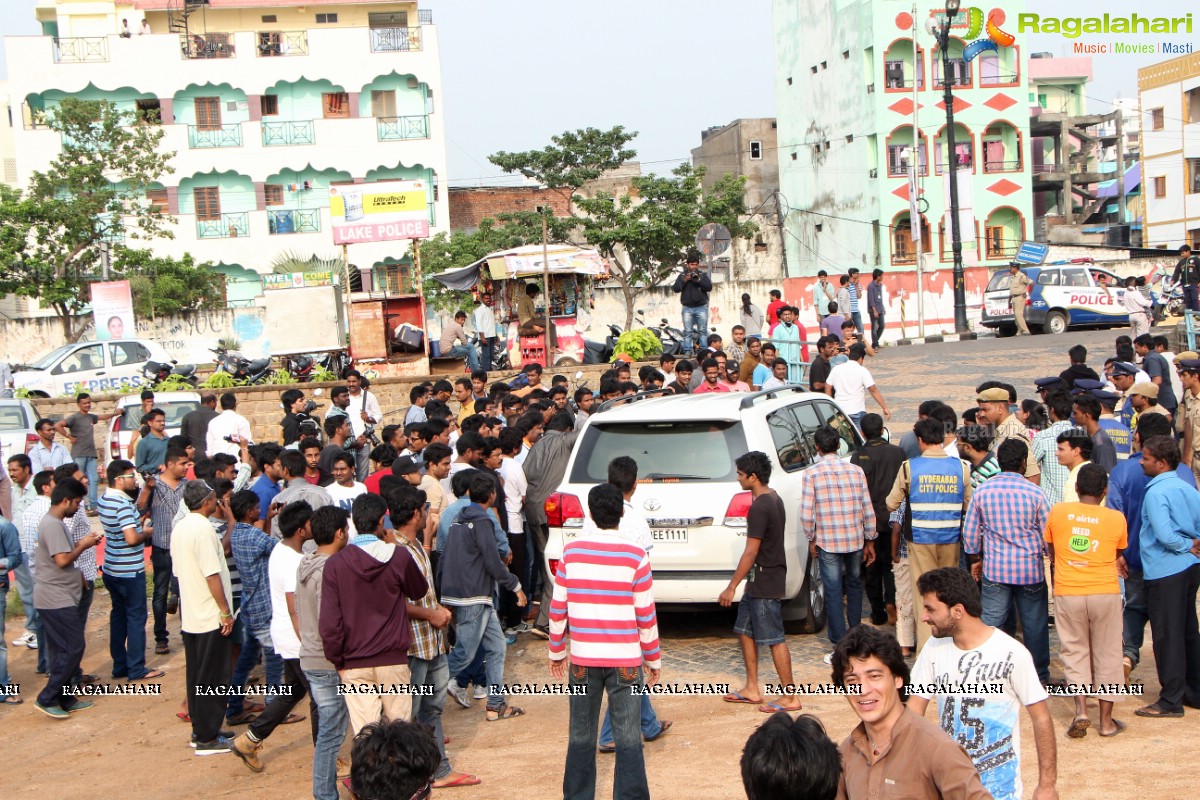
x=516 y=73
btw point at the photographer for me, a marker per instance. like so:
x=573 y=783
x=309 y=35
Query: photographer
x=298 y=410
x=693 y=287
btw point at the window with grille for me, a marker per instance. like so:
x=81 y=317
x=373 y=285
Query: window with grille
x=336 y=104
x=326 y=19
x=270 y=105
x=383 y=104
x=756 y=151
x=157 y=199
x=273 y=192
x=1157 y=120
x=995 y=240
x=208 y=202
x=1160 y=186
x=388 y=19
x=208 y=113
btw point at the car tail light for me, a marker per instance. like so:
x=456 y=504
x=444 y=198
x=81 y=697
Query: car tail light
x=116 y=439
x=563 y=511
x=554 y=562
x=738 y=510
x=31 y=440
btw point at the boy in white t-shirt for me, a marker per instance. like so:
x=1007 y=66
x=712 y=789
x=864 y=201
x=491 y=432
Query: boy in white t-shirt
x=344 y=488
x=980 y=678
x=294 y=524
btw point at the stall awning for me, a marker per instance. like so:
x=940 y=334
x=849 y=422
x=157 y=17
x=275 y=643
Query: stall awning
x=522 y=261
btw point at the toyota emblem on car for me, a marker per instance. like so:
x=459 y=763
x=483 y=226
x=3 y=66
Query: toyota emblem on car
x=652 y=505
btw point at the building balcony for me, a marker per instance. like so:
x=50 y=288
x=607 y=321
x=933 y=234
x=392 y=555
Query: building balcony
x=207 y=45
x=282 y=43
x=223 y=226
x=220 y=136
x=1002 y=166
x=395 y=40
x=292 y=132
x=81 y=49
x=392 y=129
x=904 y=257
x=1001 y=250
x=1191 y=140
x=296 y=220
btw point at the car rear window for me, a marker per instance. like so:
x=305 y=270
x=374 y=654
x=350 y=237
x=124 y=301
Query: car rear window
x=12 y=418
x=669 y=452
x=175 y=413
x=1000 y=280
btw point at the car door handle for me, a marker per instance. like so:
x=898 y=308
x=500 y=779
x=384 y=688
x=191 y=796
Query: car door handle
x=101 y=372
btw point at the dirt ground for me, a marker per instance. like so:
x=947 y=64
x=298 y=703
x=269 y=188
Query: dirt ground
x=84 y=756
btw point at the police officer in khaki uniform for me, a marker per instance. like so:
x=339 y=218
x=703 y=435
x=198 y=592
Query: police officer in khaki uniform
x=1189 y=373
x=1181 y=412
x=994 y=407
x=1018 y=287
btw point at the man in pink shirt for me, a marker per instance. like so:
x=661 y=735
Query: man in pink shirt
x=603 y=586
x=732 y=370
x=712 y=378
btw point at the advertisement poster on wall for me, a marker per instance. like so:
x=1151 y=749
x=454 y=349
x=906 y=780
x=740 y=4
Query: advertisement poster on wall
x=379 y=212
x=112 y=309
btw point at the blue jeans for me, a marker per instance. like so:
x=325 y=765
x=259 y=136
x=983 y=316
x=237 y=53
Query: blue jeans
x=856 y=318
x=842 y=572
x=127 y=625
x=1190 y=301
x=1034 y=612
x=331 y=730
x=629 y=775
x=256 y=642
x=33 y=622
x=478 y=626
x=475 y=673
x=427 y=708
x=464 y=351
x=487 y=354
x=1135 y=616
x=3 y=643
x=695 y=316
x=651 y=727
x=88 y=467
x=165 y=586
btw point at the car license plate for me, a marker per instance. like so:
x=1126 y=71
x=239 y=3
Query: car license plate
x=999 y=307
x=670 y=535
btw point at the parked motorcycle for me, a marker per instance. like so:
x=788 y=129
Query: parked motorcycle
x=240 y=367
x=601 y=352
x=155 y=372
x=500 y=362
x=299 y=367
x=672 y=338
x=1167 y=300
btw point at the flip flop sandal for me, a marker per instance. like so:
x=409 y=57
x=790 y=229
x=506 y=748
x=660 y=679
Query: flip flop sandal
x=1079 y=727
x=1155 y=711
x=292 y=719
x=183 y=715
x=461 y=780
x=151 y=675
x=162 y=650
x=504 y=712
x=1120 y=729
x=738 y=697
x=244 y=718
x=772 y=708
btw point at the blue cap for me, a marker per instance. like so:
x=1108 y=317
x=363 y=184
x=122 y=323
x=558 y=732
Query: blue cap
x=1190 y=365
x=1103 y=396
x=1087 y=385
x=1124 y=368
x=1049 y=384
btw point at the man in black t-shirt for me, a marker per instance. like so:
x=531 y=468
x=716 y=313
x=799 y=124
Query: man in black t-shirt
x=827 y=347
x=760 y=612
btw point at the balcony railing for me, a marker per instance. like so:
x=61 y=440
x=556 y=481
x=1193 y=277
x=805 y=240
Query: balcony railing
x=34 y=118
x=392 y=129
x=223 y=136
x=210 y=45
x=955 y=80
x=1002 y=166
x=904 y=257
x=81 y=49
x=282 y=43
x=394 y=40
x=1001 y=250
x=998 y=80
x=963 y=162
x=224 y=226
x=896 y=82
x=276 y=134
x=297 y=220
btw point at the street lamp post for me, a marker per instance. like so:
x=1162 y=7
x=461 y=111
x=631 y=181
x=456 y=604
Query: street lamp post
x=960 y=290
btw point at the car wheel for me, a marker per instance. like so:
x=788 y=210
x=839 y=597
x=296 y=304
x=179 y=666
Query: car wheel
x=808 y=612
x=1056 y=323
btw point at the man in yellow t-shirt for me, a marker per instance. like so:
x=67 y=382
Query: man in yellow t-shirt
x=1086 y=542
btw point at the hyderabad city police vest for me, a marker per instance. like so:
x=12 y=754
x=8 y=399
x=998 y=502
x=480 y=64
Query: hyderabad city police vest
x=1120 y=435
x=935 y=499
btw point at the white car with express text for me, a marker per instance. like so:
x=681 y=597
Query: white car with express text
x=92 y=367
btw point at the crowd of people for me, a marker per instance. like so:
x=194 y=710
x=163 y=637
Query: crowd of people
x=378 y=576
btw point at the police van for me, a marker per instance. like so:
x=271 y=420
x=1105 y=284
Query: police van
x=1062 y=296
x=93 y=367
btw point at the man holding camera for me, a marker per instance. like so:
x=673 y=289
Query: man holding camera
x=363 y=411
x=693 y=287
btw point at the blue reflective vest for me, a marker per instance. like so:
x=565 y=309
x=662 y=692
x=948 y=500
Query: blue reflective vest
x=1126 y=413
x=935 y=499
x=1121 y=436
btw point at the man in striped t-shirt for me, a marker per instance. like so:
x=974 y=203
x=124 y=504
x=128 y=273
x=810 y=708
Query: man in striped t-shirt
x=603 y=592
x=125 y=573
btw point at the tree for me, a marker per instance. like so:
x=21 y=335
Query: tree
x=575 y=159
x=656 y=224
x=74 y=217
x=164 y=286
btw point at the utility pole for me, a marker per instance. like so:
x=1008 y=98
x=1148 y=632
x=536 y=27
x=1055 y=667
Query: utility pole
x=960 y=289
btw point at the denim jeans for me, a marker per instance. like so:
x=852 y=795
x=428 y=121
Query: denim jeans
x=842 y=572
x=331 y=730
x=464 y=351
x=1135 y=617
x=475 y=672
x=33 y=622
x=487 y=352
x=427 y=708
x=877 y=327
x=88 y=467
x=62 y=635
x=1034 y=611
x=856 y=318
x=478 y=626
x=1190 y=300
x=160 y=560
x=3 y=643
x=629 y=774
x=651 y=727
x=127 y=625
x=256 y=642
x=697 y=317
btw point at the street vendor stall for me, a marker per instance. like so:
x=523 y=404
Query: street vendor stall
x=505 y=273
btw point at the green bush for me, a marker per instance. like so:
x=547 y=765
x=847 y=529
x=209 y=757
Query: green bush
x=639 y=344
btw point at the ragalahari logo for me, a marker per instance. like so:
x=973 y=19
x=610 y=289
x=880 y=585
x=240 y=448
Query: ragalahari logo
x=995 y=38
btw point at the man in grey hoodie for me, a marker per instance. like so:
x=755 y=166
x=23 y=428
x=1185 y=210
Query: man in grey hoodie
x=329 y=533
x=471 y=569
x=544 y=468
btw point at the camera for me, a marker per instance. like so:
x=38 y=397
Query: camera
x=369 y=433
x=311 y=406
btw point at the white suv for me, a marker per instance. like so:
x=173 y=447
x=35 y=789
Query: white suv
x=685 y=448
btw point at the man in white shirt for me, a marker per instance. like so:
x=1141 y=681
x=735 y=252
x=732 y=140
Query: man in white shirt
x=228 y=429
x=483 y=319
x=49 y=454
x=849 y=382
x=344 y=488
x=363 y=410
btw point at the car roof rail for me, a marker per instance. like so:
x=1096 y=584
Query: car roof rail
x=633 y=398
x=750 y=399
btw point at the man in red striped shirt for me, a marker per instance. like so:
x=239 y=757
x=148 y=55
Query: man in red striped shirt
x=603 y=589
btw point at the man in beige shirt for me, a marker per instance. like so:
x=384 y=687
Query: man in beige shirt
x=994 y=406
x=1018 y=287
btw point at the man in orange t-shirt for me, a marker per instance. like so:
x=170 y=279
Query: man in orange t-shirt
x=1086 y=542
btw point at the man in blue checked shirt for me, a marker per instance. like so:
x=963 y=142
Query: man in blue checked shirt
x=1003 y=535
x=10 y=558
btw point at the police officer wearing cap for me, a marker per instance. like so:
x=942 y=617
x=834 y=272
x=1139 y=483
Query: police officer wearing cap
x=1120 y=435
x=1018 y=288
x=994 y=405
x=1047 y=385
x=1123 y=377
x=1189 y=373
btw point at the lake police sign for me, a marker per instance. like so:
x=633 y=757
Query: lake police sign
x=379 y=212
